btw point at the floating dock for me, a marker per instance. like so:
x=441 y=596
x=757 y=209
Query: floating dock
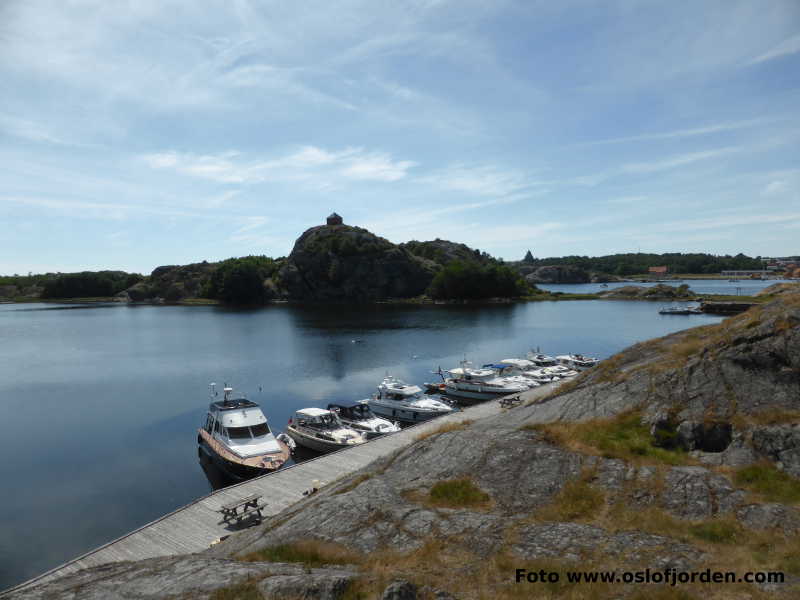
x=194 y=527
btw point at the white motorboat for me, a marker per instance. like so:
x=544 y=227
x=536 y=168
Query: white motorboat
x=511 y=374
x=559 y=371
x=528 y=369
x=479 y=384
x=577 y=361
x=541 y=360
x=396 y=399
x=361 y=418
x=237 y=438
x=320 y=429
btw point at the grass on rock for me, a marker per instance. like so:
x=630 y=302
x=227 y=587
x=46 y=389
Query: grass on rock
x=311 y=553
x=457 y=493
x=444 y=429
x=765 y=479
x=624 y=437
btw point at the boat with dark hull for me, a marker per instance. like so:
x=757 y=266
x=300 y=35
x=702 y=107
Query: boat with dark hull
x=237 y=439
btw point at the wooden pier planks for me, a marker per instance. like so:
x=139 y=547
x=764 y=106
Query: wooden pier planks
x=194 y=527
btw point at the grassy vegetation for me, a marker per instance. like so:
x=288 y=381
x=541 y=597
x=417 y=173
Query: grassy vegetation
x=247 y=590
x=457 y=493
x=624 y=437
x=577 y=501
x=718 y=531
x=766 y=480
x=357 y=481
x=311 y=553
x=444 y=429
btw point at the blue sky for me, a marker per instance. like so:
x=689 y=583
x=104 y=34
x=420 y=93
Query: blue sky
x=137 y=134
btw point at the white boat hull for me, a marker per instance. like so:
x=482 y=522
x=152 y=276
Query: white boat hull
x=478 y=393
x=315 y=443
x=407 y=415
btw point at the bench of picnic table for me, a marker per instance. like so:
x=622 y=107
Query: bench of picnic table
x=249 y=505
x=509 y=401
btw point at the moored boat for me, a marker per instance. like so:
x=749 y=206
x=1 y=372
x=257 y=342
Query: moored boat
x=396 y=399
x=479 y=384
x=322 y=430
x=237 y=438
x=577 y=361
x=359 y=417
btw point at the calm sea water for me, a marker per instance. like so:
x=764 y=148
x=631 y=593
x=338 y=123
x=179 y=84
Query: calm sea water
x=743 y=287
x=102 y=402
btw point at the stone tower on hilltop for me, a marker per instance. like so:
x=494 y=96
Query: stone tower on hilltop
x=335 y=219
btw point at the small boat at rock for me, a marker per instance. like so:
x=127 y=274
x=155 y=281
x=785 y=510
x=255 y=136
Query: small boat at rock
x=321 y=429
x=361 y=418
x=577 y=361
x=237 y=438
x=480 y=384
x=680 y=310
x=396 y=399
x=541 y=360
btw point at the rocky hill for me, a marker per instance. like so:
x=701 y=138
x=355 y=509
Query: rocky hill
x=678 y=453
x=344 y=263
x=656 y=292
x=444 y=252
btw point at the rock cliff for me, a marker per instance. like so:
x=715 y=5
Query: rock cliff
x=344 y=263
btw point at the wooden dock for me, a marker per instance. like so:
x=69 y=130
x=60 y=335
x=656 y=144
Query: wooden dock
x=193 y=528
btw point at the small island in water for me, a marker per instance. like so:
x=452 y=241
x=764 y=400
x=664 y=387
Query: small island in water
x=336 y=262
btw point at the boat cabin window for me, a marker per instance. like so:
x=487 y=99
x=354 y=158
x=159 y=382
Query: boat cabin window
x=217 y=427
x=239 y=433
x=260 y=430
x=209 y=423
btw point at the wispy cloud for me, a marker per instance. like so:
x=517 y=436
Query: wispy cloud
x=785 y=48
x=676 y=161
x=309 y=164
x=681 y=133
x=29 y=130
x=481 y=180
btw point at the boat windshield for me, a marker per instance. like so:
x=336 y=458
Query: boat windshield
x=260 y=430
x=239 y=433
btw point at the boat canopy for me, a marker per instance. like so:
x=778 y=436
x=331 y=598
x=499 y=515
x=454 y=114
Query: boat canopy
x=496 y=366
x=357 y=412
x=312 y=412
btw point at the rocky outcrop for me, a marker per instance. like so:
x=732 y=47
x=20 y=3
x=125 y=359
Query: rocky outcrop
x=192 y=576
x=780 y=288
x=443 y=252
x=343 y=263
x=578 y=542
x=555 y=274
x=9 y=291
x=656 y=292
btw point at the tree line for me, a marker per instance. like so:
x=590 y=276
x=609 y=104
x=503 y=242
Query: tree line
x=639 y=263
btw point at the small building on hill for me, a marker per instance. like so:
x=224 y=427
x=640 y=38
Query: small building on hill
x=335 y=219
x=658 y=270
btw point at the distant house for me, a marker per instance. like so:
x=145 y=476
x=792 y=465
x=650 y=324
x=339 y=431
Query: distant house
x=657 y=270
x=335 y=219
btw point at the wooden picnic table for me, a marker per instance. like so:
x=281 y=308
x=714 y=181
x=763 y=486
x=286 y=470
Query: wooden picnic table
x=243 y=508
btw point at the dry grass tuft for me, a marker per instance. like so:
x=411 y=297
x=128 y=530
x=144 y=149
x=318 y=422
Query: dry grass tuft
x=458 y=493
x=444 y=429
x=247 y=590
x=624 y=437
x=357 y=481
x=577 y=501
x=311 y=553
x=767 y=481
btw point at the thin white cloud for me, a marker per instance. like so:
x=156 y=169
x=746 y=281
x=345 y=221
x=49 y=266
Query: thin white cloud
x=29 y=130
x=310 y=164
x=681 y=133
x=480 y=180
x=785 y=48
x=676 y=161
x=774 y=188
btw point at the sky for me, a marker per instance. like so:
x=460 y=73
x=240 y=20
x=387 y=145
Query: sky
x=142 y=133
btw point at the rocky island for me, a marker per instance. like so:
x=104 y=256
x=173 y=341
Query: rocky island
x=680 y=454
